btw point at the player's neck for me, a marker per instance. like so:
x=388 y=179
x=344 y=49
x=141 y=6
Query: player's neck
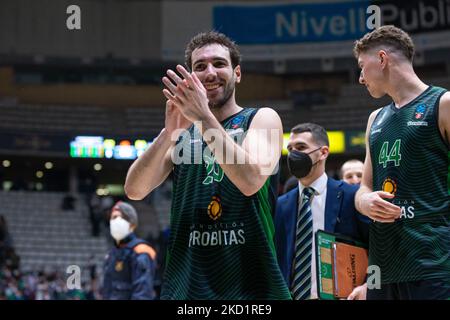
x=405 y=86
x=227 y=110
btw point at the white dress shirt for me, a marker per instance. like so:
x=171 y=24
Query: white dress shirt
x=318 y=215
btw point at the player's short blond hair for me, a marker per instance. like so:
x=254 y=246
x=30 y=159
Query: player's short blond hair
x=388 y=37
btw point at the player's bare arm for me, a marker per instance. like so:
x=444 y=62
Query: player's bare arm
x=189 y=95
x=265 y=132
x=367 y=201
x=155 y=164
x=444 y=117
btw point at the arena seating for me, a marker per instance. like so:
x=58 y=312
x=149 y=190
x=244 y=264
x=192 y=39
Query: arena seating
x=353 y=105
x=45 y=236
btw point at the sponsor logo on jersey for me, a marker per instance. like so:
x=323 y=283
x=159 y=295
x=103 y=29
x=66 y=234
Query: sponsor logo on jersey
x=389 y=185
x=234 y=131
x=420 y=110
x=407 y=207
x=417 y=123
x=236 y=122
x=196 y=141
x=215 y=208
x=218 y=234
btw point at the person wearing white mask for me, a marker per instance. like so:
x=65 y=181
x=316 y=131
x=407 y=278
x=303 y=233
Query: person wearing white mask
x=129 y=267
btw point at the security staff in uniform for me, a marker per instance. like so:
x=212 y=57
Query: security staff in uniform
x=130 y=265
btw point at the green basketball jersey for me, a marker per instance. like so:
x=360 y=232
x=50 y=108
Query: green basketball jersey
x=221 y=241
x=410 y=159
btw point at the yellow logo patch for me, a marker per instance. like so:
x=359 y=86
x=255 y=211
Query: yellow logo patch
x=215 y=208
x=119 y=266
x=389 y=185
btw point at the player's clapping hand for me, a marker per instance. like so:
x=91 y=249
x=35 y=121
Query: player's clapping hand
x=174 y=118
x=374 y=206
x=187 y=93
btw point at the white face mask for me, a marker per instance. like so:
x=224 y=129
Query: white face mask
x=119 y=228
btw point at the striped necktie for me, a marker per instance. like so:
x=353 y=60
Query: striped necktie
x=301 y=284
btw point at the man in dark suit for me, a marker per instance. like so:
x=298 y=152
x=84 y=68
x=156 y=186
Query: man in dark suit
x=318 y=202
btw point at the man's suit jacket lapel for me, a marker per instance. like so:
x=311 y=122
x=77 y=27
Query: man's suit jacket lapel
x=291 y=225
x=292 y=202
x=333 y=204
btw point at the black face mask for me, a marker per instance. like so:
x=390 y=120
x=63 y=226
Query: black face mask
x=300 y=163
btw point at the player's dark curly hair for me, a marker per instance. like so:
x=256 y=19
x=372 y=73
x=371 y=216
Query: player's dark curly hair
x=212 y=37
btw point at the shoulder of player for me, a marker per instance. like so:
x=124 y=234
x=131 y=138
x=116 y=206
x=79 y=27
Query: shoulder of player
x=372 y=117
x=444 y=103
x=444 y=113
x=266 y=118
x=143 y=248
x=374 y=114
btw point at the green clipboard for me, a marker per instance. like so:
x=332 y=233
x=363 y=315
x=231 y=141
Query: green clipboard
x=324 y=241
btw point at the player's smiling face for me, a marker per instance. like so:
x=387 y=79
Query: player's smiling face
x=212 y=65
